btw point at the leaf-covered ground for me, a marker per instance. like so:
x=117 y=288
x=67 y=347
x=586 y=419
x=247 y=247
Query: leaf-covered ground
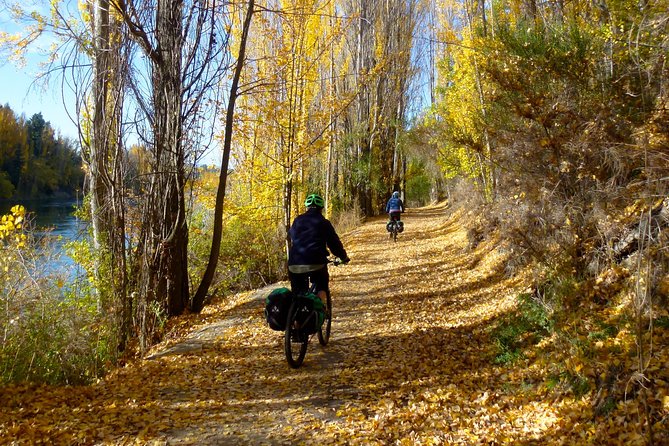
x=411 y=361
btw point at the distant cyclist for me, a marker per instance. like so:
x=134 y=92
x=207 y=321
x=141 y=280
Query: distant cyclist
x=311 y=235
x=395 y=207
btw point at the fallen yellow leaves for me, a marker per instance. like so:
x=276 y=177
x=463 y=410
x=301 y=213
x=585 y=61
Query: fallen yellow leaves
x=409 y=363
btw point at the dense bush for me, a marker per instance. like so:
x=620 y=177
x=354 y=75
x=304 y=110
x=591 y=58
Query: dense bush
x=252 y=249
x=563 y=143
x=556 y=118
x=573 y=161
x=50 y=331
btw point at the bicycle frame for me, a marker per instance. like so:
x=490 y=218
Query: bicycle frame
x=293 y=335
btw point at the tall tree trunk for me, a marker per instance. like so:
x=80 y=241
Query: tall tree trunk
x=333 y=127
x=288 y=201
x=99 y=139
x=203 y=288
x=106 y=168
x=117 y=245
x=170 y=262
x=485 y=161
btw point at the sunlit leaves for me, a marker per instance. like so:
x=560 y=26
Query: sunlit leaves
x=284 y=117
x=462 y=102
x=410 y=362
x=12 y=240
x=33 y=25
x=9 y=223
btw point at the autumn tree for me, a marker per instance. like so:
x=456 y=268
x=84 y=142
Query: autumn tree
x=286 y=113
x=13 y=141
x=34 y=161
x=184 y=44
x=200 y=294
x=156 y=68
x=93 y=38
x=304 y=102
x=380 y=75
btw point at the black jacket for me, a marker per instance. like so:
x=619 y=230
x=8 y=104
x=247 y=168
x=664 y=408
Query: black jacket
x=311 y=235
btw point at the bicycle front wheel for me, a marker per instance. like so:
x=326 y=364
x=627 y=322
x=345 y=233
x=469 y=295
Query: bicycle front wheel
x=324 y=331
x=295 y=342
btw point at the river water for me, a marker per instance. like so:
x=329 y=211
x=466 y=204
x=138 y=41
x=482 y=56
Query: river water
x=53 y=219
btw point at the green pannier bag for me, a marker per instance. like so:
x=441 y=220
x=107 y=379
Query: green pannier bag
x=277 y=304
x=310 y=313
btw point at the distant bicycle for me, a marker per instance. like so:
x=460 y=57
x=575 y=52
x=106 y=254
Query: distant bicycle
x=302 y=323
x=394 y=227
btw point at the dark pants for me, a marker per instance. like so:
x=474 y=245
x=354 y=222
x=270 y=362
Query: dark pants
x=299 y=283
x=395 y=216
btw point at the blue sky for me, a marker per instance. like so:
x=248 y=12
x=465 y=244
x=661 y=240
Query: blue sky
x=25 y=97
x=22 y=94
x=19 y=91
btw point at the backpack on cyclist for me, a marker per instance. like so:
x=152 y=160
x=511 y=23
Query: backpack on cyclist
x=277 y=304
x=310 y=313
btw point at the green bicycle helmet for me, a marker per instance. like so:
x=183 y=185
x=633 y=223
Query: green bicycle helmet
x=314 y=200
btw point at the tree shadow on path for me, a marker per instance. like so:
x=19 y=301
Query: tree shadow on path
x=406 y=358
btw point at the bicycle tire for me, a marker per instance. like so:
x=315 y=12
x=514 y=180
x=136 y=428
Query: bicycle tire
x=295 y=343
x=324 y=331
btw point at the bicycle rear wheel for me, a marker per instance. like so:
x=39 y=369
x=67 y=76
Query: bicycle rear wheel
x=324 y=331
x=295 y=342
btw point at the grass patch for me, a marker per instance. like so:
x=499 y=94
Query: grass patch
x=51 y=330
x=606 y=407
x=662 y=322
x=568 y=382
x=578 y=384
x=606 y=331
x=526 y=326
x=507 y=356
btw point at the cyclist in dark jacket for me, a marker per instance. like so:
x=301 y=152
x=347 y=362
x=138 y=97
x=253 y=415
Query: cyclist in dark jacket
x=311 y=234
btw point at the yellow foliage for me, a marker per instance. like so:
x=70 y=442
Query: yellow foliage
x=12 y=237
x=12 y=223
x=282 y=130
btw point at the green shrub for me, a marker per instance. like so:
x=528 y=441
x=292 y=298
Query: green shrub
x=528 y=324
x=662 y=321
x=418 y=184
x=606 y=331
x=577 y=384
x=606 y=406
